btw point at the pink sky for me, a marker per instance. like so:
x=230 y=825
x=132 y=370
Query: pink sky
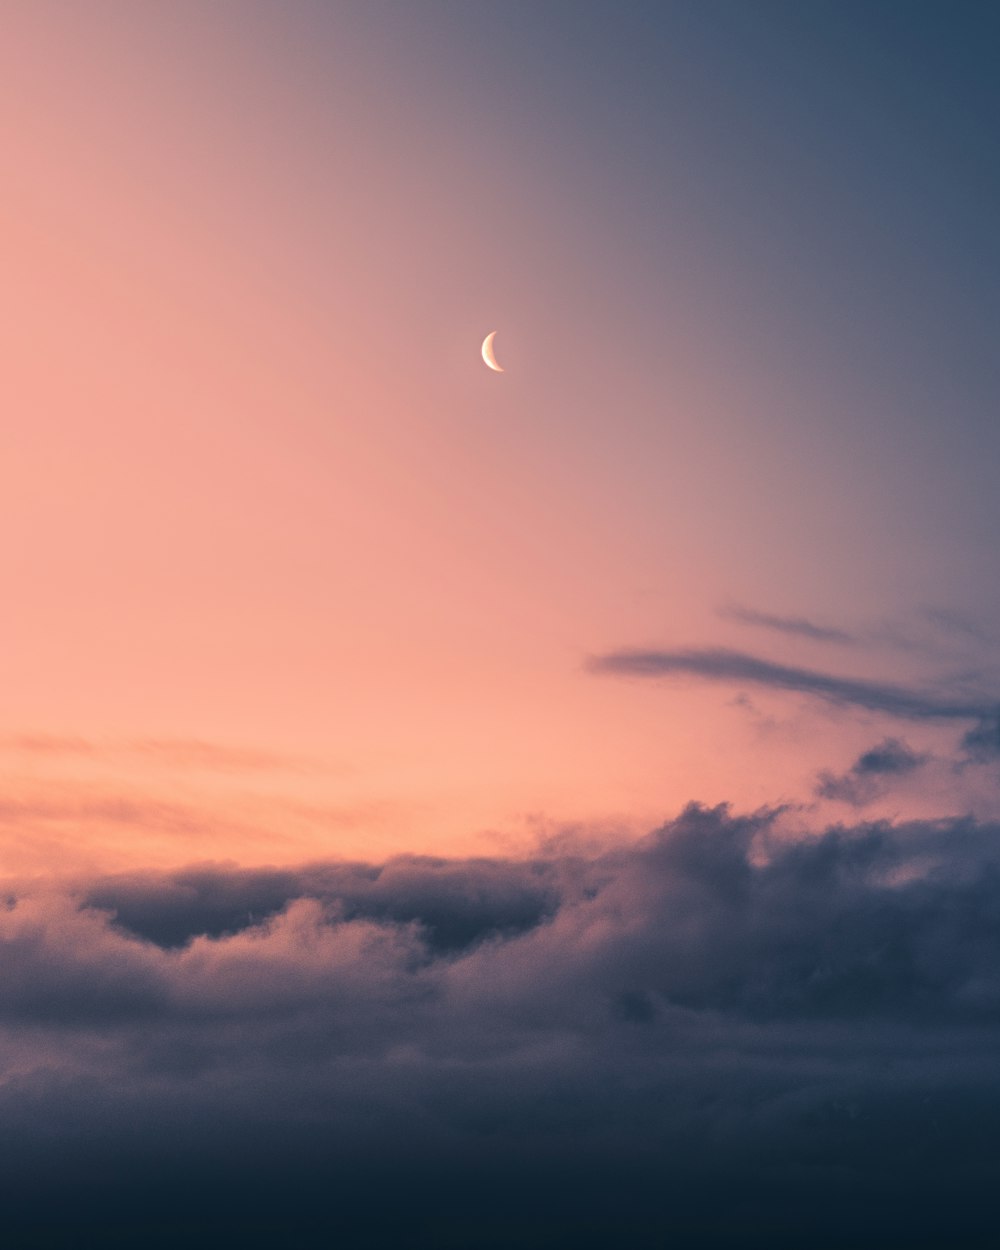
x=288 y=571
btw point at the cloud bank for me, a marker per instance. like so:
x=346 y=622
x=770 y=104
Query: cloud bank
x=712 y=1029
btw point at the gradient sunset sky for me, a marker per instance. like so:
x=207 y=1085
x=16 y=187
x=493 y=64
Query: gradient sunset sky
x=291 y=578
x=262 y=497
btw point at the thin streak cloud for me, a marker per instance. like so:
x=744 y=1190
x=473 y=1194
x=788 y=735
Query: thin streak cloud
x=175 y=753
x=736 y=667
x=796 y=625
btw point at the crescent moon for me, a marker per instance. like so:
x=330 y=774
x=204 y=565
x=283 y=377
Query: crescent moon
x=488 y=356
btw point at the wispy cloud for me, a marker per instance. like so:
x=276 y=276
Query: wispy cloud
x=58 y=825
x=47 y=744
x=795 y=625
x=739 y=668
x=948 y=621
x=172 y=753
x=937 y=633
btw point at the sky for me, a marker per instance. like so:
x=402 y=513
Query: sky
x=455 y=782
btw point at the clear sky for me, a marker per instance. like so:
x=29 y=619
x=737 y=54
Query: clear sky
x=282 y=555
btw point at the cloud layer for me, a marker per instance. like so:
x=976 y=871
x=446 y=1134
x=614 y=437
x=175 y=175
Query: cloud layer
x=713 y=1025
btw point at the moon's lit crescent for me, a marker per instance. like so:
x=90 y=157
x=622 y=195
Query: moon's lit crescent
x=488 y=356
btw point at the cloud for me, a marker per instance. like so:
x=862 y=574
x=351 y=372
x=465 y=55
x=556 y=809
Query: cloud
x=737 y=667
x=78 y=824
x=947 y=621
x=982 y=742
x=486 y=1052
x=796 y=625
x=865 y=780
x=936 y=633
x=47 y=744
x=890 y=757
x=173 y=753
x=455 y=904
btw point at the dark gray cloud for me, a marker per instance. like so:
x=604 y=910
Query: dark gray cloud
x=890 y=758
x=982 y=742
x=737 y=667
x=454 y=905
x=659 y=1038
x=796 y=625
x=866 y=779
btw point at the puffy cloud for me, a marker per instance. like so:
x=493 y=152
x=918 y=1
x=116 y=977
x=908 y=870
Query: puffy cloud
x=982 y=742
x=866 y=779
x=652 y=1039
